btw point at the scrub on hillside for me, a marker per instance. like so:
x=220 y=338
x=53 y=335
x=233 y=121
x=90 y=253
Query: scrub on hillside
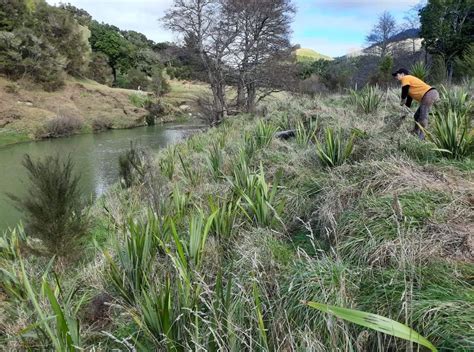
x=415 y=88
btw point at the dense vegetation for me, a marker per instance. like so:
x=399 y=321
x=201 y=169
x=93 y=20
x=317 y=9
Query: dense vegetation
x=230 y=239
x=44 y=42
x=218 y=241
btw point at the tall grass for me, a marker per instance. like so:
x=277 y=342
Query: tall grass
x=375 y=322
x=129 y=268
x=335 y=151
x=452 y=134
x=306 y=134
x=168 y=162
x=264 y=133
x=215 y=160
x=367 y=100
x=420 y=70
x=455 y=99
x=259 y=198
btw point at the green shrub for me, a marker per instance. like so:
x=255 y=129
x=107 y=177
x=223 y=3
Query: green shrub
x=264 y=133
x=334 y=151
x=140 y=100
x=134 y=166
x=53 y=205
x=420 y=70
x=367 y=100
x=455 y=99
x=306 y=134
x=452 y=133
x=215 y=160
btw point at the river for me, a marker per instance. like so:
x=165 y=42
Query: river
x=95 y=156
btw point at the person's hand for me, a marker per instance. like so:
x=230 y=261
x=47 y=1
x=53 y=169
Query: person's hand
x=403 y=102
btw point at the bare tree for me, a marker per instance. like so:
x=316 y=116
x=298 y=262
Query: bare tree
x=412 y=21
x=210 y=34
x=261 y=46
x=383 y=30
x=237 y=41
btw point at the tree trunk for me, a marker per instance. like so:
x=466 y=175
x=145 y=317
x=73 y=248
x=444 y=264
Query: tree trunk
x=449 y=68
x=251 y=97
x=114 y=72
x=240 y=92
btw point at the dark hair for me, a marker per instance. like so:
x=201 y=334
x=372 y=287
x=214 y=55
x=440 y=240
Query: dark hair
x=401 y=70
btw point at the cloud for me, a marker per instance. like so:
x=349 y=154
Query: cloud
x=138 y=15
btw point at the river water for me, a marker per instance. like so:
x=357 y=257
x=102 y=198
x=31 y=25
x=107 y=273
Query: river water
x=95 y=156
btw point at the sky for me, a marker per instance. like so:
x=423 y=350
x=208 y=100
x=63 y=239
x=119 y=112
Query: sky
x=331 y=27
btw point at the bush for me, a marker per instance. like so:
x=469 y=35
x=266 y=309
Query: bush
x=420 y=70
x=135 y=166
x=452 y=134
x=366 y=100
x=140 y=100
x=61 y=126
x=53 y=205
x=99 y=69
x=334 y=152
x=101 y=124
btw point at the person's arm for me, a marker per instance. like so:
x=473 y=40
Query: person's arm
x=405 y=95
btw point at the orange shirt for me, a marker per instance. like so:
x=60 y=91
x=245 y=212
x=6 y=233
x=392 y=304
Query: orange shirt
x=418 y=88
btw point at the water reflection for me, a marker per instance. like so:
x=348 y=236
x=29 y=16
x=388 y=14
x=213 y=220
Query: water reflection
x=95 y=157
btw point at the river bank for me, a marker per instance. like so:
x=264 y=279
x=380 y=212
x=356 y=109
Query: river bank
x=82 y=106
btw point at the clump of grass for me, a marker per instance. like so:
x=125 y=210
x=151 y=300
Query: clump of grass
x=334 y=151
x=139 y=100
x=264 y=133
x=452 y=134
x=454 y=99
x=420 y=70
x=134 y=166
x=306 y=134
x=215 y=160
x=53 y=206
x=367 y=100
x=259 y=202
x=226 y=212
x=192 y=175
x=168 y=162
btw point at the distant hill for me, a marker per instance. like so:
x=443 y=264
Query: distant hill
x=401 y=40
x=304 y=54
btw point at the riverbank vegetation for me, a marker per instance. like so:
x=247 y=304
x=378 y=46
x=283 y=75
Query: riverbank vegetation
x=216 y=243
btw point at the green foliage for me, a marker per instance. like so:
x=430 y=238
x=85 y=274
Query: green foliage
x=447 y=29
x=367 y=100
x=65 y=335
x=226 y=212
x=456 y=99
x=128 y=270
x=334 y=151
x=140 y=100
x=465 y=64
x=215 y=160
x=306 y=134
x=259 y=198
x=452 y=133
x=99 y=69
x=53 y=205
x=134 y=166
x=375 y=322
x=420 y=70
x=168 y=162
x=264 y=133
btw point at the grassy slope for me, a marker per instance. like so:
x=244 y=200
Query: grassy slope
x=390 y=232
x=310 y=55
x=24 y=111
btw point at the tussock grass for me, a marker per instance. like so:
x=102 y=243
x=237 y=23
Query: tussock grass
x=249 y=226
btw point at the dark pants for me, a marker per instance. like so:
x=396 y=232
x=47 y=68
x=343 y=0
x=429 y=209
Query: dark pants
x=421 y=114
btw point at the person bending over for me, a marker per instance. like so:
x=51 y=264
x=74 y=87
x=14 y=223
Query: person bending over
x=415 y=88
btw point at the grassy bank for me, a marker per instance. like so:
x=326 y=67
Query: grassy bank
x=82 y=106
x=235 y=229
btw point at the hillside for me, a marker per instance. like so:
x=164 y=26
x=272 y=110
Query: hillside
x=26 y=109
x=304 y=54
x=235 y=230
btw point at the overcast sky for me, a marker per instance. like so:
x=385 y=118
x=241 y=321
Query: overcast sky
x=331 y=27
